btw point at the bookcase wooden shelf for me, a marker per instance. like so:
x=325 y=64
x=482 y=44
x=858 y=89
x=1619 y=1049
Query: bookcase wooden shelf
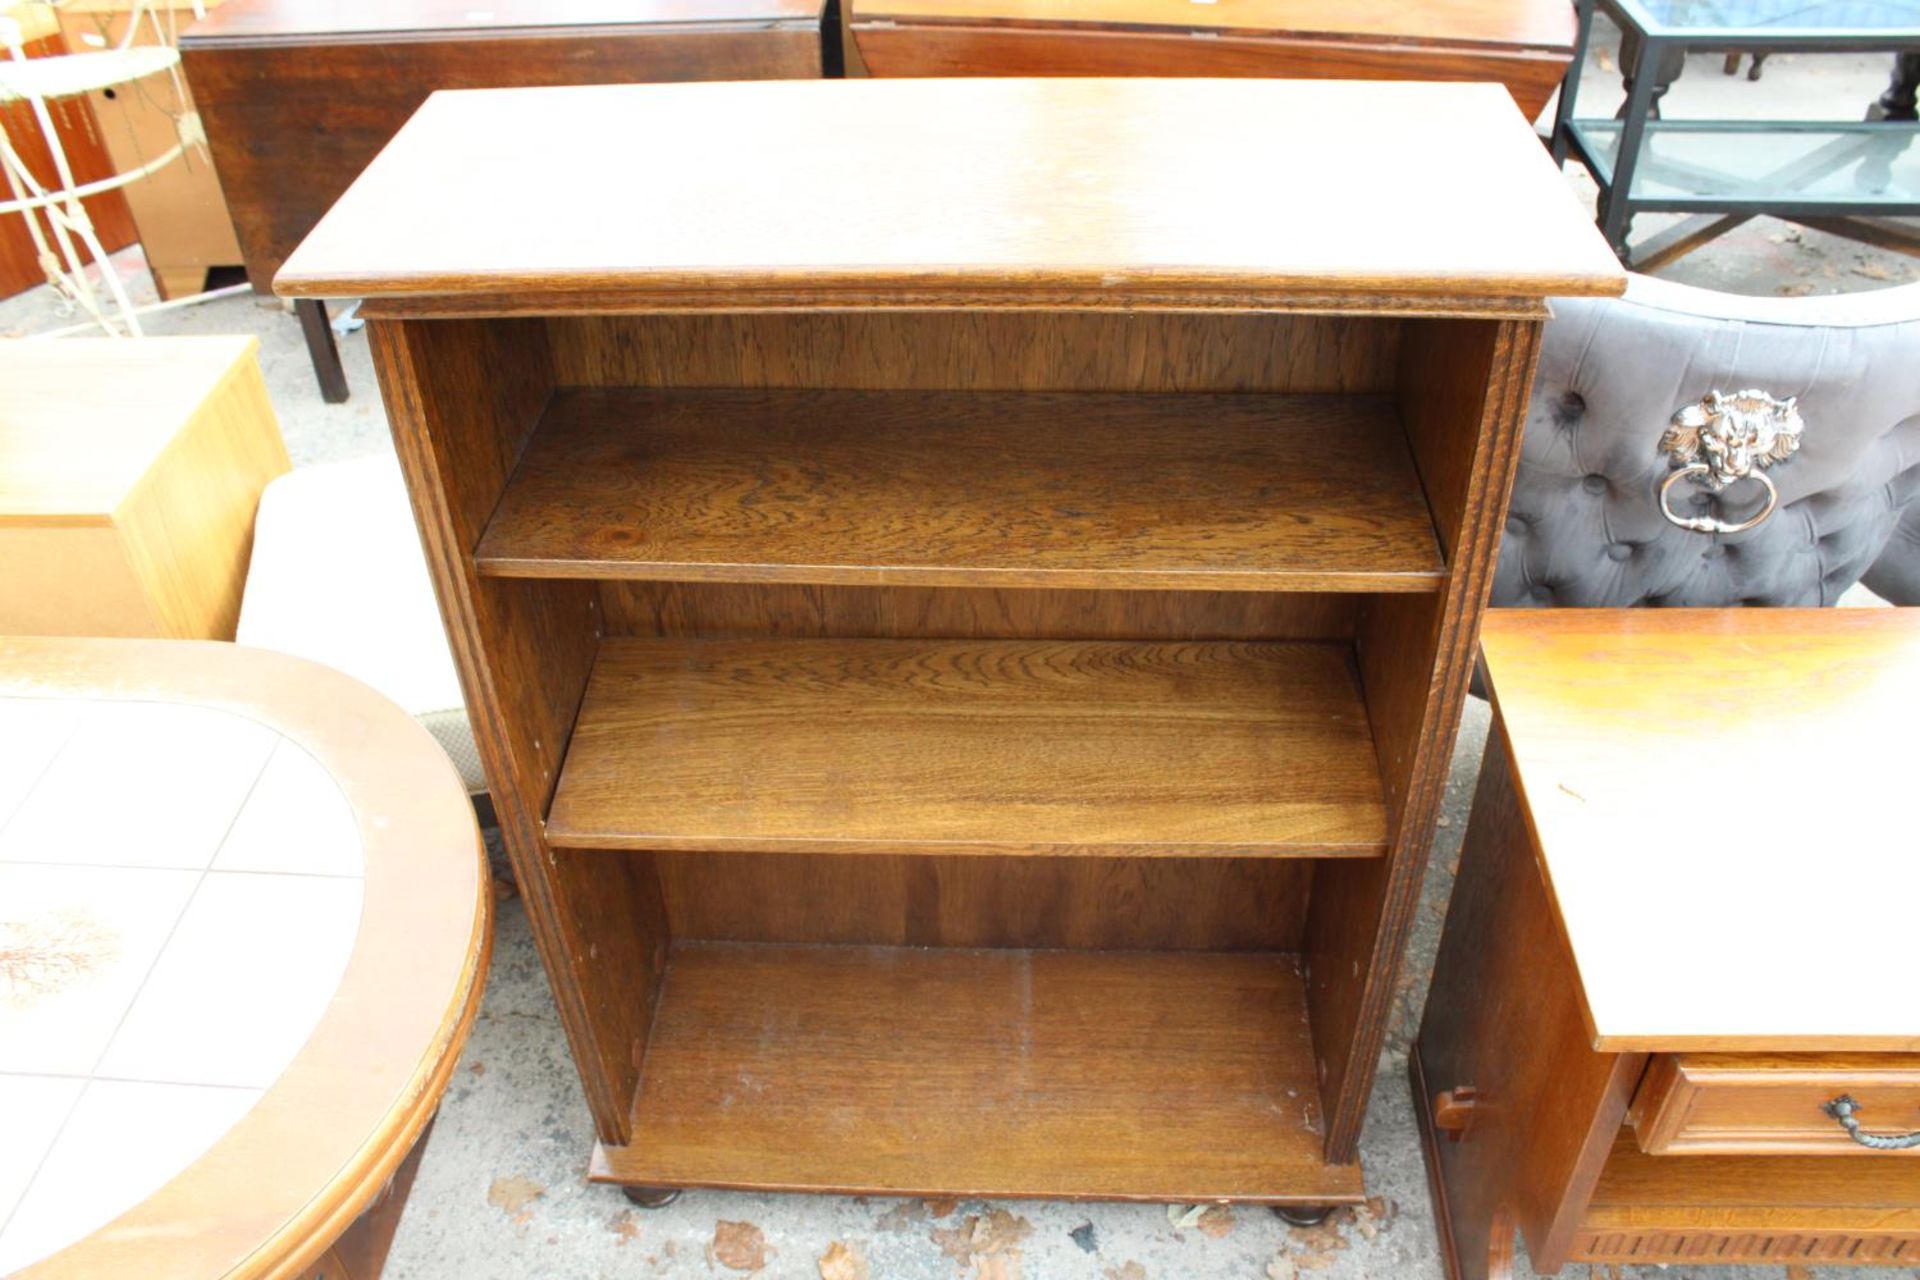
x=1124 y=748
x=947 y=488
x=1126 y=1075
x=964 y=589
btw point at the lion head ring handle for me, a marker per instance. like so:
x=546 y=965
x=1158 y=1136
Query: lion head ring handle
x=1723 y=439
x=1845 y=1110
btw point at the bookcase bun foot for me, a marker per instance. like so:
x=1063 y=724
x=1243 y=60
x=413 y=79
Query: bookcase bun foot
x=967 y=719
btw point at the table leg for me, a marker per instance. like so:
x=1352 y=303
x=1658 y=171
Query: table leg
x=1570 y=86
x=1898 y=102
x=1643 y=90
x=321 y=349
x=1642 y=59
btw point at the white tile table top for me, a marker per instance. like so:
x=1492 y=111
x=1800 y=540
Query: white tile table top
x=180 y=892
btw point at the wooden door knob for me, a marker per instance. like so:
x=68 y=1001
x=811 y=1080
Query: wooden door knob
x=1453 y=1111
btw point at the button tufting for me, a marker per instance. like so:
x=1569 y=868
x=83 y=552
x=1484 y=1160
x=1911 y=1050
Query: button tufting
x=1620 y=551
x=1595 y=483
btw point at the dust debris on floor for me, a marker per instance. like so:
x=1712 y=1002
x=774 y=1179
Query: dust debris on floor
x=738 y=1246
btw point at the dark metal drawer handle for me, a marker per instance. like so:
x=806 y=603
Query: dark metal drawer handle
x=1843 y=1109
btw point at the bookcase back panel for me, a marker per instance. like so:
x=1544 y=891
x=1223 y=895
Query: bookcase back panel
x=725 y=609
x=981 y=351
x=1188 y=904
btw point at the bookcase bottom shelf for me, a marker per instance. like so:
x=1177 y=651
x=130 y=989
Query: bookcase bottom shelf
x=1158 y=1076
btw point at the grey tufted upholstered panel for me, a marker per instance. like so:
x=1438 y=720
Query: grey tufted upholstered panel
x=1585 y=527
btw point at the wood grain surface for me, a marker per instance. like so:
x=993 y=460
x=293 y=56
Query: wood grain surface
x=1008 y=747
x=1463 y=399
x=305 y=21
x=463 y=398
x=74 y=449
x=998 y=1074
x=1122 y=193
x=1502 y=1028
x=299 y=95
x=1086 y=903
x=1772 y=1103
x=1779 y=1209
x=980 y=351
x=1229 y=492
x=1706 y=783
x=1495 y=24
x=129 y=477
x=738 y=610
x=969 y=243
x=923 y=48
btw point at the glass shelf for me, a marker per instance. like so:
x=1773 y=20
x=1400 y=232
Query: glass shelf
x=1770 y=165
x=1813 y=18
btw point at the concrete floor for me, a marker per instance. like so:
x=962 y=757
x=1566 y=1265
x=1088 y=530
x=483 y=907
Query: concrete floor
x=501 y=1194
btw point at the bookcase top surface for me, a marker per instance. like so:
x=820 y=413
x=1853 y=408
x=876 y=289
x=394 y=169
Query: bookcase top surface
x=1096 y=193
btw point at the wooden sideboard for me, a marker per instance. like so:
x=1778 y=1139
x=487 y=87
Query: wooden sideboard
x=1674 y=943
x=1523 y=44
x=965 y=597
x=298 y=95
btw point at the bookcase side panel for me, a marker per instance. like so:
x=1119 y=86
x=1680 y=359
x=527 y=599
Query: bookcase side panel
x=1463 y=397
x=462 y=397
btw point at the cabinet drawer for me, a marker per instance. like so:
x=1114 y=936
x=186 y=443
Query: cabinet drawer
x=1772 y=1104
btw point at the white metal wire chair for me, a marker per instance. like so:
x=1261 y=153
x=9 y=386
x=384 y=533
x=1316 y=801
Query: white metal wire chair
x=63 y=235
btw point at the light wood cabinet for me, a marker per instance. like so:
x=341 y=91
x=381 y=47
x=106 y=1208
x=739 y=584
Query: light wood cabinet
x=965 y=590
x=1645 y=1009
x=129 y=476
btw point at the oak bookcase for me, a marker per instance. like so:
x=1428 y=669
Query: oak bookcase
x=965 y=590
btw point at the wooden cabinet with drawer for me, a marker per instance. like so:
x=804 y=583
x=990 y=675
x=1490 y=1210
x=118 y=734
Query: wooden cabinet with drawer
x=1773 y=1104
x=1649 y=998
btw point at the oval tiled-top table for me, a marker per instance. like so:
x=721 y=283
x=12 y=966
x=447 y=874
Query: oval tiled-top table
x=243 y=929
